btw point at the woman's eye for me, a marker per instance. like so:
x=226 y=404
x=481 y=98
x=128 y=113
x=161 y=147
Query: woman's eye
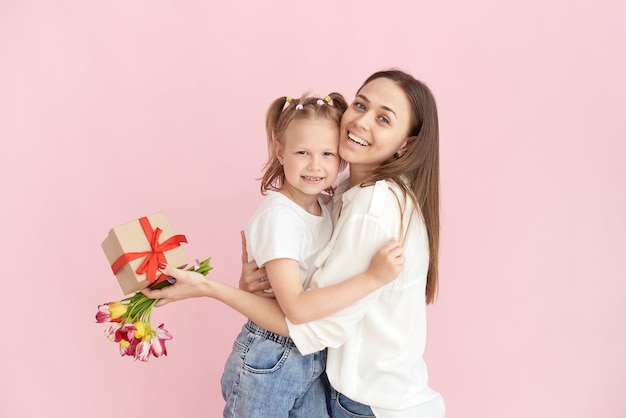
x=359 y=106
x=383 y=119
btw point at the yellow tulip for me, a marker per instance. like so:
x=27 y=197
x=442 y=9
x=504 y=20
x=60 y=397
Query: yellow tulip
x=140 y=329
x=117 y=309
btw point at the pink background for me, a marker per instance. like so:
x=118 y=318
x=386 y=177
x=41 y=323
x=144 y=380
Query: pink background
x=111 y=110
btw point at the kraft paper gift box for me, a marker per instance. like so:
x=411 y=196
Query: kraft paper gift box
x=135 y=249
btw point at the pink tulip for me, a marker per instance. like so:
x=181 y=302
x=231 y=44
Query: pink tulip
x=103 y=314
x=111 y=331
x=129 y=348
x=142 y=351
x=162 y=334
x=157 y=346
x=125 y=333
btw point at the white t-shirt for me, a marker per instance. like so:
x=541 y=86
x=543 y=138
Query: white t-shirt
x=376 y=346
x=280 y=228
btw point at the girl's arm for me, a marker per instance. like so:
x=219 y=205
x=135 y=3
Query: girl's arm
x=302 y=306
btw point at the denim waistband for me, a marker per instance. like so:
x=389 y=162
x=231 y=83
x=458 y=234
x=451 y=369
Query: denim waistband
x=279 y=339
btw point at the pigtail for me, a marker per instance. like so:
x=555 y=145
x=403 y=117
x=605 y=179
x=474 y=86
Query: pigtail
x=338 y=101
x=273 y=170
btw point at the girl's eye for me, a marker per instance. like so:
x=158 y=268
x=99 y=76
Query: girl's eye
x=301 y=152
x=383 y=119
x=329 y=154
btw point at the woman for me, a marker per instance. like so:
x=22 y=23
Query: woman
x=389 y=136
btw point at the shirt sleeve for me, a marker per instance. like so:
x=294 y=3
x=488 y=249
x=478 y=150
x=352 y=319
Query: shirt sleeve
x=275 y=233
x=361 y=236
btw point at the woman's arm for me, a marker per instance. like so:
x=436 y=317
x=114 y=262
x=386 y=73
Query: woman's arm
x=253 y=279
x=263 y=311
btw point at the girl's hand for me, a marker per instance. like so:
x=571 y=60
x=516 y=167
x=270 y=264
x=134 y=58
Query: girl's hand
x=253 y=279
x=387 y=263
x=189 y=284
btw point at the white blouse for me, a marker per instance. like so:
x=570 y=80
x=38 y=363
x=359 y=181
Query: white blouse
x=376 y=346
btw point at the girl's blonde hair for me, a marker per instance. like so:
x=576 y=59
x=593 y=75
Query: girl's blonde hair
x=281 y=113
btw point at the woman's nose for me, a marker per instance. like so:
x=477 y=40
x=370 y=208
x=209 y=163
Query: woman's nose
x=362 y=121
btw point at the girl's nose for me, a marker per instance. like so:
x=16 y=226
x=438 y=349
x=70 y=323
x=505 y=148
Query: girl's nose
x=314 y=162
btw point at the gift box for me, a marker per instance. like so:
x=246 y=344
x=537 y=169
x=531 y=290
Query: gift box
x=136 y=248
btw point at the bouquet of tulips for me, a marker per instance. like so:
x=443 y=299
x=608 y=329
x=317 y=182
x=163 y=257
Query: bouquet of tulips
x=130 y=325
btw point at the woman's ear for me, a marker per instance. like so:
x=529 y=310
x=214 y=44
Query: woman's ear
x=278 y=150
x=402 y=149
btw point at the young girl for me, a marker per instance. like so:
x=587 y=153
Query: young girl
x=265 y=374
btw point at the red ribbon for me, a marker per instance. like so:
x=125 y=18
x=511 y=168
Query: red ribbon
x=154 y=256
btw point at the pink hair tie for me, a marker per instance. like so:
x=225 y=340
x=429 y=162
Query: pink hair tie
x=299 y=106
x=320 y=102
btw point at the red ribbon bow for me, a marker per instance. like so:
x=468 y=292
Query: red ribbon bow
x=154 y=256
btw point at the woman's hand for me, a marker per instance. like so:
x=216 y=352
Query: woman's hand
x=253 y=279
x=189 y=284
x=387 y=263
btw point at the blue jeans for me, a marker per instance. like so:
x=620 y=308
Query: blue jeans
x=266 y=376
x=343 y=407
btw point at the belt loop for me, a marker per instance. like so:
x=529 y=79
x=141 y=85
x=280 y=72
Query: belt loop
x=279 y=339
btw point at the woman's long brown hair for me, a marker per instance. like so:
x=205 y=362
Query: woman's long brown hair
x=419 y=164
